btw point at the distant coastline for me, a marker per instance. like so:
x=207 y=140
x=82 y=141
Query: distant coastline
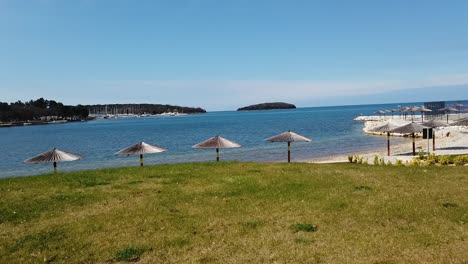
x=45 y=112
x=267 y=106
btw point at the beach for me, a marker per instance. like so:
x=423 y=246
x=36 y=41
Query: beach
x=450 y=140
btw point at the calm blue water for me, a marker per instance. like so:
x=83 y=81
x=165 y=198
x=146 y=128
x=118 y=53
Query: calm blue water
x=332 y=129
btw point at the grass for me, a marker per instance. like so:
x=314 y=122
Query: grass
x=231 y=212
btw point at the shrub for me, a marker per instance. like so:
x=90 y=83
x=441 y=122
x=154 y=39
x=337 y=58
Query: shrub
x=389 y=163
x=376 y=160
x=382 y=161
x=431 y=159
x=359 y=159
x=459 y=161
x=350 y=158
x=465 y=158
x=366 y=161
x=415 y=162
x=421 y=154
x=445 y=160
x=399 y=162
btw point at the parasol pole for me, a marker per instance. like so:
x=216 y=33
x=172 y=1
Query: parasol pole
x=388 y=143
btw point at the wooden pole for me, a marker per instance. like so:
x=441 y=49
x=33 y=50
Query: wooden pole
x=217 y=154
x=141 y=160
x=388 y=143
x=433 y=139
x=414 y=144
x=55 y=167
x=289 y=151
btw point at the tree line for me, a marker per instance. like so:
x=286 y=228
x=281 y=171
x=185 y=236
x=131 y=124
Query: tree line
x=35 y=109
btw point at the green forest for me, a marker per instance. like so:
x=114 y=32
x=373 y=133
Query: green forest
x=35 y=109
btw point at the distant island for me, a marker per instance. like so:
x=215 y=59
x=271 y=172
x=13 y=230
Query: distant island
x=42 y=111
x=268 y=106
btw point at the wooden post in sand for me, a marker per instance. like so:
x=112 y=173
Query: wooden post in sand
x=388 y=143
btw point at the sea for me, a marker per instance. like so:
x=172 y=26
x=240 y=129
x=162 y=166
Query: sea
x=332 y=130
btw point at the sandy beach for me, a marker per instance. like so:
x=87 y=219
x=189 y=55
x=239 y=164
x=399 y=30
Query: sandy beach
x=449 y=140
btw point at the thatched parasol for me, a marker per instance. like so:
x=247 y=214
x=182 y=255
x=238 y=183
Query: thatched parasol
x=461 y=122
x=423 y=109
x=381 y=112
x=53 y=156
x=289 y=137
x=216 y=142
x=140 y=149
x=433 y=124
x=447 y=110
x=404 y=110
x=385 y=129
x=410 y=128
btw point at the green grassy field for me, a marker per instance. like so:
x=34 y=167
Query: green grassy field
x=238 y=213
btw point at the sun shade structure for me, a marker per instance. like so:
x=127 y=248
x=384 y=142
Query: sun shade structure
x=385 y=129
x=461 y=122
x=447 y=110
x=410 y=128
x=433 y=124
x=289 y=137
x=140 y=148
x=216 y=142
x=53 y=156
x=423 y=109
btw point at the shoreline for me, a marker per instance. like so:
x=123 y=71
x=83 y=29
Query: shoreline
x=450 y=140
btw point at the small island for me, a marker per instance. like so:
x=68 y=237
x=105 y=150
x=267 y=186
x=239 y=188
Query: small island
x=267 y=106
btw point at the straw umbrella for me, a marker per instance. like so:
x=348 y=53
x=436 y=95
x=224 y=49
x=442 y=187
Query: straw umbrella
x=410 y=128
x=216 y=142
x=53 y=156
x=447 y=110
x=404 y=110
x=461 y=122
x=385 y=129
x=433 y=124
x=423 y=109
x=140 y=148
x=289 y=137
x=381 y=112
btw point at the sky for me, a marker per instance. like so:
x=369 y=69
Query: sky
x=221 y=55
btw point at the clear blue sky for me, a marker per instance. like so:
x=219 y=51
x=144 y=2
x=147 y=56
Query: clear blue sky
x=225 y=54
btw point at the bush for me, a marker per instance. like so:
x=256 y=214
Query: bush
x=415 y=162
x=376 y=160
x=421 y=154
x=359 y=159
x=431 y=159
x=399 y=162
x=350 y=158
x=459 y=161
x=389 y=163
x=445 y=160
x=365 y=162
x=382 y=161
